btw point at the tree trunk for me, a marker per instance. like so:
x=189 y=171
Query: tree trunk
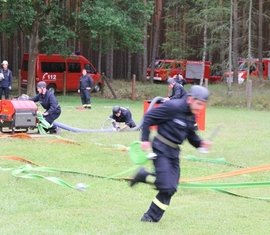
x=222 y=44
x=111 y=59
x=204 y=47
x=145 y=50
x=249 y=93
x=108 y=75
x=210 y=52
x=235 y=41
x=249 y=82
x=33 y=53
x=99 y=55
x=229 y=92
x=129 y=66
x=122 y=65
x=260 y=40
x=15 y=61
x=249 y=30
x=77 y=42
x=156 y=26
x=4 y=47
x=184 y=34
x=139 y=67
x=204 y=39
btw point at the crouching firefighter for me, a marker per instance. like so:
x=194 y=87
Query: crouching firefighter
x=175 y=121
x=49 y=102
x=122 y=115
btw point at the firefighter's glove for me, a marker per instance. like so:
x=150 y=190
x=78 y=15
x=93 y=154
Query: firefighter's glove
x=114 y=123
x=116 y=128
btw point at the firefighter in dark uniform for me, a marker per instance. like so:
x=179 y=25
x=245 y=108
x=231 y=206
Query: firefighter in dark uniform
x=176 y=122
x=177 y=90
x=121 y=114
x=179 y=79
x=5 y=80
x=85 y=85
x=49 y=102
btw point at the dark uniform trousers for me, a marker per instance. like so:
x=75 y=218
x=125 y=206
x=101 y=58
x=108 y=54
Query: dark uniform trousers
x=4 y=90
x=85 y=96
x=167 y=177
x=51 y=117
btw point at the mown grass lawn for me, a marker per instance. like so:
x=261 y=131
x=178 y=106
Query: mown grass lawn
x=36 y=206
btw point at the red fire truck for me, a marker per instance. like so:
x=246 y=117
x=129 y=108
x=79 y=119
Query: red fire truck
x=54 y=68
x=192 y=71
x=253 y=66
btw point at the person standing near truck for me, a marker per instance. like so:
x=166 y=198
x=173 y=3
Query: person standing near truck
x=5 y=80
x=86 y=83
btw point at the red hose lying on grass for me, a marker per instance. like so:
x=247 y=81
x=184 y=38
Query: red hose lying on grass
x=229 y=174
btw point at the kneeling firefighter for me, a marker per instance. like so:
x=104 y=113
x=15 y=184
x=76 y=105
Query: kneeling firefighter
x=122 y=115
x=49 y=102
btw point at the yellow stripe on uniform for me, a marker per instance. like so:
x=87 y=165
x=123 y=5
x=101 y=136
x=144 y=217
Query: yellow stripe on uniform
x=161 y=205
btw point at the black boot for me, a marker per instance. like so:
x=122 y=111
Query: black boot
x=147 y=218
x=53 y=130
x=139 y=177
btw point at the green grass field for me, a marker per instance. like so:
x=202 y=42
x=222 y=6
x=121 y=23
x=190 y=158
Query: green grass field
x=37 y=206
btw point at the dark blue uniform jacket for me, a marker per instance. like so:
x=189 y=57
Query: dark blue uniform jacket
x=48 y=102
x=7 y=81
x=86 y=81
x=181 y=81
x=174 y=120
x=125 y=117
x=178 y=92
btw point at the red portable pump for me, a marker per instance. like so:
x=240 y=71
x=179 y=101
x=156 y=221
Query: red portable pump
x=17 y=114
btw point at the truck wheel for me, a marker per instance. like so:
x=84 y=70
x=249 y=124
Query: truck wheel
x=97 y=88
x=51 y=88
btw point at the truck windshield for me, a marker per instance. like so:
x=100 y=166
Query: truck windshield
x=162 y=64
x=243 y=66
x=158 y=64
x=89 y=68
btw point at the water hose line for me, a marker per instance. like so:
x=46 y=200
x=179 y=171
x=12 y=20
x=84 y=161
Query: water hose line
x=25 y=171
x=80 y=130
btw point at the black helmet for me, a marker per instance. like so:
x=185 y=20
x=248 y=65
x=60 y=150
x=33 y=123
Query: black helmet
x=116 y=109
x=199 y=92
x=171 y=81
x=41 y=84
